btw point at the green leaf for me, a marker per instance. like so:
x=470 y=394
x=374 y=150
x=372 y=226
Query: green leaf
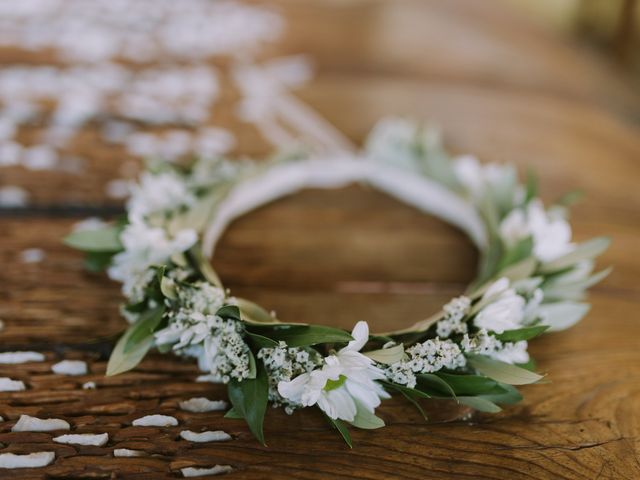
x=233 y=413
x=532 y=186
x=508 y=396
x=387 y=356
x=479 y=403
x=202 y=264
x=585 y=251
x=468 y=384
x=260 y=341
x=520 y=270
x=428 y=383
x=302 y=335
x=252 y=366
x=570 y=198
x=249 y=399
x=253 y=313
x=122 y=361
x=562 y=315
x=103 y=240
x=525 y=333
x=143 y=328
x=168 y=288
x=97 y=261
x=558 y=289
x=410 y=394
x=365 y=419
x=342 y=428
x=501 y=371
x=229 y=312
x=520 y=251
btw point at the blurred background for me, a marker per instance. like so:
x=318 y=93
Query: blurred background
x=90 y=89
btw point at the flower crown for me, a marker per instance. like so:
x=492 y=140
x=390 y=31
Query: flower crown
x=530 y=281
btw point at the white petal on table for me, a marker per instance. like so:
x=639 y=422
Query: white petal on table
x=89 y=386
x=70 y=367
x=201 y=472
x=96 y=440
x=125 y=452
x=32 y=460
x=32 y=424
x=9 y=385
x=209 y=436
x=20 y=357
x=201 y=404
x=155 y=421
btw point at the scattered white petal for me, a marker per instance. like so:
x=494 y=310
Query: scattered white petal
x=70 y=367
x=32 y=460
x=155 y=421
x=9 y=385
x=125 y=452
x=89 y=224
x=33 y=424
x=209 y=378
x=32 y=255
x=118 y=189
x=96 y=440
x=13 y=196
x=89 y=386
x=201 y=404
x=201 y=472
x=1 y=419
x=21 y=357
x=217 y=436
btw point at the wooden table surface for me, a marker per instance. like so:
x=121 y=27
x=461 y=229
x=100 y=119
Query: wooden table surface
x=500 y=88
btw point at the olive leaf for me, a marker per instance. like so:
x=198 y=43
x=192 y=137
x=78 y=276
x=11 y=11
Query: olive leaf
x=103 y=240
x=519 y=334
x=562 y=315
x=301 y=335
x=387 y=356
x=501 y=371
x=479 y=403
x=365 y=419
x=585 y=251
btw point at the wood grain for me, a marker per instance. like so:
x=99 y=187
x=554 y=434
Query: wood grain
x=500 y=88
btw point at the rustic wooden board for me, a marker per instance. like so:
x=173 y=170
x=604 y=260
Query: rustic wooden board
x=337 y=257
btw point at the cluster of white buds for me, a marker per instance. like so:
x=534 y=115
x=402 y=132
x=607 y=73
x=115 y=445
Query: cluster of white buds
x=284 y=363
x=483 y=343
x=217 y=343
x=426 y=357
x=453 y=323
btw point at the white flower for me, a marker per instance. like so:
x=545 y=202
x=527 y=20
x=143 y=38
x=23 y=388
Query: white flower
x=145 y=246
x=160 y=192
x=476 y=178
x=505 y=308
x=346 y=382
x=551 y=236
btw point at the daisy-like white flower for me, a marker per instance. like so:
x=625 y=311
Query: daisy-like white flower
x=551 y=236
x=504 y=310
x=345 y=383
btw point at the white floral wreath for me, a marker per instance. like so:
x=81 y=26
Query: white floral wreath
x=530 y=280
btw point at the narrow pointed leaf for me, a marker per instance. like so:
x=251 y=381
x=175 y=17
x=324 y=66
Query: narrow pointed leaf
x=501 y=371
